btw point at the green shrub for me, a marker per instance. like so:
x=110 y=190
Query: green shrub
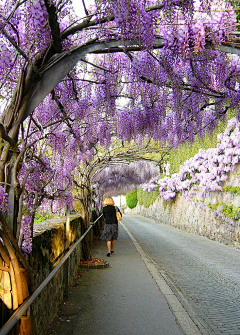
x=131 y=199
x=146 y=198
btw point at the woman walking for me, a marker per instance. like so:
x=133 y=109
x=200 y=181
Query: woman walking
x=110 y=231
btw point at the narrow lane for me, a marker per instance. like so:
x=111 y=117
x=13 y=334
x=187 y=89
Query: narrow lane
x=204 y=275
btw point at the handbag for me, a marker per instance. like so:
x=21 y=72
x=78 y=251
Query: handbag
x=119 y=218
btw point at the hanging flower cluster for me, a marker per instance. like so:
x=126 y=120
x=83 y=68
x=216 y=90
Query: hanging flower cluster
x=26 y=227
x=132 y=19
x=151 y=185
x=4 y=202
x=208 y=22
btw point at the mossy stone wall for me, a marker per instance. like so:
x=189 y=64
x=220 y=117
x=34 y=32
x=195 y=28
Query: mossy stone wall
x=48 y=247
x=195 y=216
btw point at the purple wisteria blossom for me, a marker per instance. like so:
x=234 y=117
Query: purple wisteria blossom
x=207 y=170
x=4 y=202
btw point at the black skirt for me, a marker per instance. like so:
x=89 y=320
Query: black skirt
x=110 y=232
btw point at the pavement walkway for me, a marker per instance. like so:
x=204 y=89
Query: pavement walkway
x=127 y=298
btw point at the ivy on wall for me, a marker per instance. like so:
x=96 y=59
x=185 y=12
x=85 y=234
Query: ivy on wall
x=229 y=214
x=146 y=198
x=184 y=152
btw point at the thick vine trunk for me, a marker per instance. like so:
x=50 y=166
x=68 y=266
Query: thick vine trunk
x=15 y=284
x=12 y=260
x=17 y=276
x=19 y=282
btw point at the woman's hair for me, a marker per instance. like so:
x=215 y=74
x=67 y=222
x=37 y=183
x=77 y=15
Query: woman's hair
x=108 y=201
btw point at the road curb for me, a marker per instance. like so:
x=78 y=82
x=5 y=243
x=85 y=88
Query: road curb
x=182 y=317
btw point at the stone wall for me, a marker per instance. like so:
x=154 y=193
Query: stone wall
x=48 y=247
x=195 y=216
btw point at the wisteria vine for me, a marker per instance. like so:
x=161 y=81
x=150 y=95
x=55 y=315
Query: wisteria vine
x=168 y=94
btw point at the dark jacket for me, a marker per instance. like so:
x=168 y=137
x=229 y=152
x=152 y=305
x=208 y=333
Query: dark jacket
x=109 y=213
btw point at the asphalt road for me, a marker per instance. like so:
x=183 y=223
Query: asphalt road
x=203 y=274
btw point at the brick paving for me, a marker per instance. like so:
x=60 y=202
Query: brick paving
x=203 y=274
